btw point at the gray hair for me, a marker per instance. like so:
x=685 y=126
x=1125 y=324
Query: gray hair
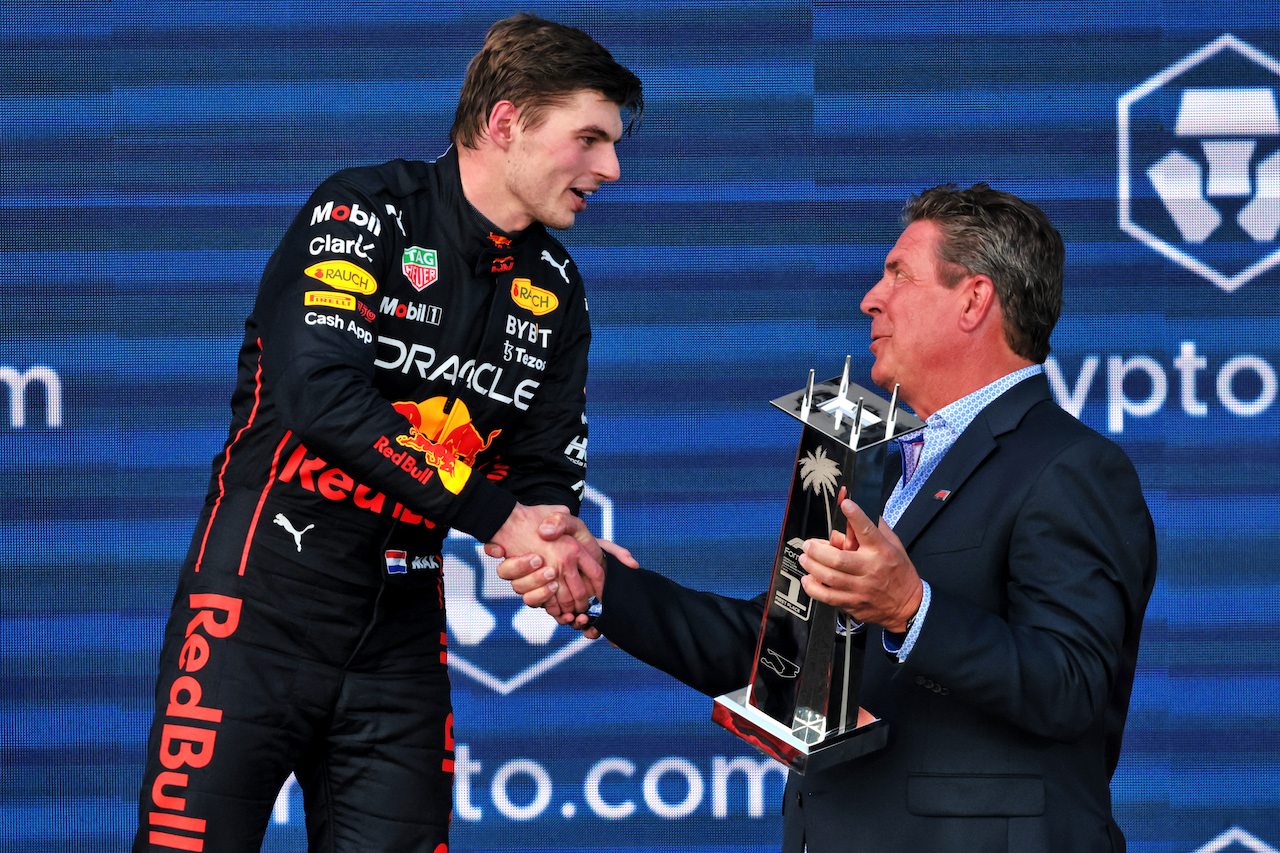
x=1012 y=242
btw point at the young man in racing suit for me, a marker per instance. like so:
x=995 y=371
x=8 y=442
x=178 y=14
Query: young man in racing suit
x=415 y=361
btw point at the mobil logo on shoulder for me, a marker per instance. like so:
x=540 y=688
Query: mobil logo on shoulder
x=353 y=213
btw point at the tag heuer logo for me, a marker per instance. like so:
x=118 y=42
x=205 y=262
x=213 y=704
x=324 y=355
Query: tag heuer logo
x=419 y=266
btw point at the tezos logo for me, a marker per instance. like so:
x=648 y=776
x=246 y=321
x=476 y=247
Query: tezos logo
x=1199 y=161
x=494 y=638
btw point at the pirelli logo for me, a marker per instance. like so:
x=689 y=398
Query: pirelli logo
x=325 y=299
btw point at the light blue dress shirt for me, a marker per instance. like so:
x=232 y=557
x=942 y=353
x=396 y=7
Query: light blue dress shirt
x=942 y=428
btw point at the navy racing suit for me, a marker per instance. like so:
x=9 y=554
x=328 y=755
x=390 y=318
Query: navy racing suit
x=407 y=369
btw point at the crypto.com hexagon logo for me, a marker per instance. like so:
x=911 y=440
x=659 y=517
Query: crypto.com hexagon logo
x=1236 y=840
x=1199 y=162
x=494 y=638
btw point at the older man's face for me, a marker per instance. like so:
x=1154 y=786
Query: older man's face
x=913 y=317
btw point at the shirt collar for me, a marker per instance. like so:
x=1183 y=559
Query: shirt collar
x=955 y=417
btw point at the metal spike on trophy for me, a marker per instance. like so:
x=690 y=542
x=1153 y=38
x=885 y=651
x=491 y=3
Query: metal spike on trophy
x=801 y=706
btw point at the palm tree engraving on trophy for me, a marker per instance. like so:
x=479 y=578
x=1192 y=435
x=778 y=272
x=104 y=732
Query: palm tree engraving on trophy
x=821 y=474
x=801 y=706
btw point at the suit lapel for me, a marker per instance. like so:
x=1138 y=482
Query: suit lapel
x=892 y=472
x=972 y=447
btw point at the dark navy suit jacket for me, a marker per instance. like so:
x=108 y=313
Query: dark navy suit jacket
x=1005 y=720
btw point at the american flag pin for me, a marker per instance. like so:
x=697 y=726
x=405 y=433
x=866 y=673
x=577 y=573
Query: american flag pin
x=942 y=495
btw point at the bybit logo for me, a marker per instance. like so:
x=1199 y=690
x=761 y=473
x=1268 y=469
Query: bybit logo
x=1199 y=162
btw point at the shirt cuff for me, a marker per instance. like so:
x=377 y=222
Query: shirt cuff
x=594 y=611
x=898 y=645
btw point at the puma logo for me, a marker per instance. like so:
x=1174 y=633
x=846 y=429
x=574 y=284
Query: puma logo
x=297 y=534
x=546 y=256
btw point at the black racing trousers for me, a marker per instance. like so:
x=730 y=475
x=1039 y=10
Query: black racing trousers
x=275 y=672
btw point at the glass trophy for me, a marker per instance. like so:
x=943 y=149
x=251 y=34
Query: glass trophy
x=801 y=706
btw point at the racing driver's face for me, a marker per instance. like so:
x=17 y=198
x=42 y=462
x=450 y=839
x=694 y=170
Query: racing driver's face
x=553 y=168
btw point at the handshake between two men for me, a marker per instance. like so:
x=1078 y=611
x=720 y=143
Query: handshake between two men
x=864 y=570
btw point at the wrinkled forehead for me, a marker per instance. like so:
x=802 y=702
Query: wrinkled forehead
x=916 y=246
x=919 y=251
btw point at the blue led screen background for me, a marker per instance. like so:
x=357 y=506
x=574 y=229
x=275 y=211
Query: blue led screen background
x=153 y=154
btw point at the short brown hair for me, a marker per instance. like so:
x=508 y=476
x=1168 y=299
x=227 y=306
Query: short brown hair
x=1012 y=242
x=535 y=64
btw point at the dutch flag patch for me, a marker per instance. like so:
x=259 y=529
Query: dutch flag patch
x=396 y=563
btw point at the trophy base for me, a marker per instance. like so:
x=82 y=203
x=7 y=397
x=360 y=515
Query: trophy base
x=777 y=741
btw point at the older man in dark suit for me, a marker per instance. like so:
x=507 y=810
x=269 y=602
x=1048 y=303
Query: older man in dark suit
x=1009 y=572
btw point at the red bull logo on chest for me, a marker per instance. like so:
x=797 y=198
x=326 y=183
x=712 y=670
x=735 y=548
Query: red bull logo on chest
x=448 y=441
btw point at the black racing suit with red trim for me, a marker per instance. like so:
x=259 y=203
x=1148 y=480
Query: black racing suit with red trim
x=407 y=369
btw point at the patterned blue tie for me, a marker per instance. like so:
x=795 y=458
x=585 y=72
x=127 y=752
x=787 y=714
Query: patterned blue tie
x=912 y=446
